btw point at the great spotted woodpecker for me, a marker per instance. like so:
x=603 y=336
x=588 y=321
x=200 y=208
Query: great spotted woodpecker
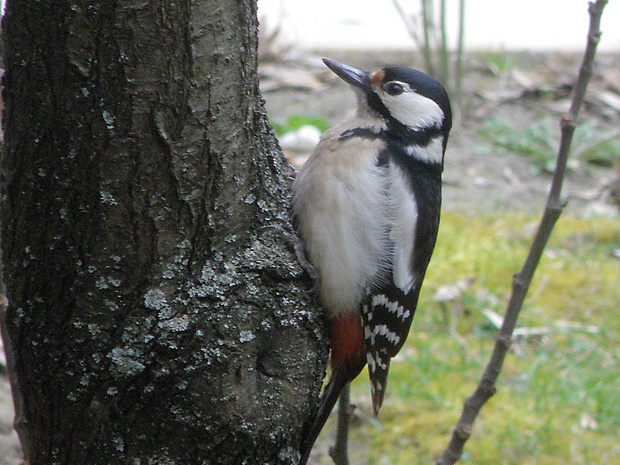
x=367 y=207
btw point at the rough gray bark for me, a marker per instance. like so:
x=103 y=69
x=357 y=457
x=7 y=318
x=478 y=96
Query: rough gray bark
x=152 y=318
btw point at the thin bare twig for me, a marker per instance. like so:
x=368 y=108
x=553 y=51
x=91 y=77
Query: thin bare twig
x=458 y=71
x=408 y=23
x=523 y=278
x=428 y=26
x=340 y=452
x=444 y=72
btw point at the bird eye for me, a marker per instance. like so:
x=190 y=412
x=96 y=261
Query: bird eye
x=393 y=88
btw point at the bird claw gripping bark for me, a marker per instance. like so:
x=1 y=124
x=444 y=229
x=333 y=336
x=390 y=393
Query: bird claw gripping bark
x=296 y=245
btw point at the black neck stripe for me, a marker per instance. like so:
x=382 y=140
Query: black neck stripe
x=402 y=134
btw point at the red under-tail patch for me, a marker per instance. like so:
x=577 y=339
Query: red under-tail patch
x=347 y=338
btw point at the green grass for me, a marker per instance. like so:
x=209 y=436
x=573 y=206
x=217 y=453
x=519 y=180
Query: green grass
x=539 y=141
x=501 y=63
x=558 y=399
x=297 y=121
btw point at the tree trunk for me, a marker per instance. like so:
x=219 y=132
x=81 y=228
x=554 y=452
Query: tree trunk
x=153 y=318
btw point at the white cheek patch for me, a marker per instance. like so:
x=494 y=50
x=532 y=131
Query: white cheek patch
x=413 y=109
x=430 y=153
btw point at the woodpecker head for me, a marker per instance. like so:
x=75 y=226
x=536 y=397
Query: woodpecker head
x=408 y=101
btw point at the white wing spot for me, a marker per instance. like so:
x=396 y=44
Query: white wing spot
x=371 y=361
x=391 y=306
x=382 y=330
x=380 y=363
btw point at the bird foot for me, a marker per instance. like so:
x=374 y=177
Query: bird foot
x=297 y=246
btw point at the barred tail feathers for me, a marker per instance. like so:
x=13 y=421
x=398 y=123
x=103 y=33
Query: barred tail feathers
x=378 y=367
x=386 y=316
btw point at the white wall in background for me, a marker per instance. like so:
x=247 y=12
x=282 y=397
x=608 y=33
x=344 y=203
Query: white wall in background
x=511 y=25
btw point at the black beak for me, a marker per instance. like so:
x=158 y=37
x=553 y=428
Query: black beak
x=350 y=75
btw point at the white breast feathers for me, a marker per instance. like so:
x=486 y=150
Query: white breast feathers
x=340 y=203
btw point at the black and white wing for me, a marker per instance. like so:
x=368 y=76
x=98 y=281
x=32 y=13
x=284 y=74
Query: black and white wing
x=387 y=312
